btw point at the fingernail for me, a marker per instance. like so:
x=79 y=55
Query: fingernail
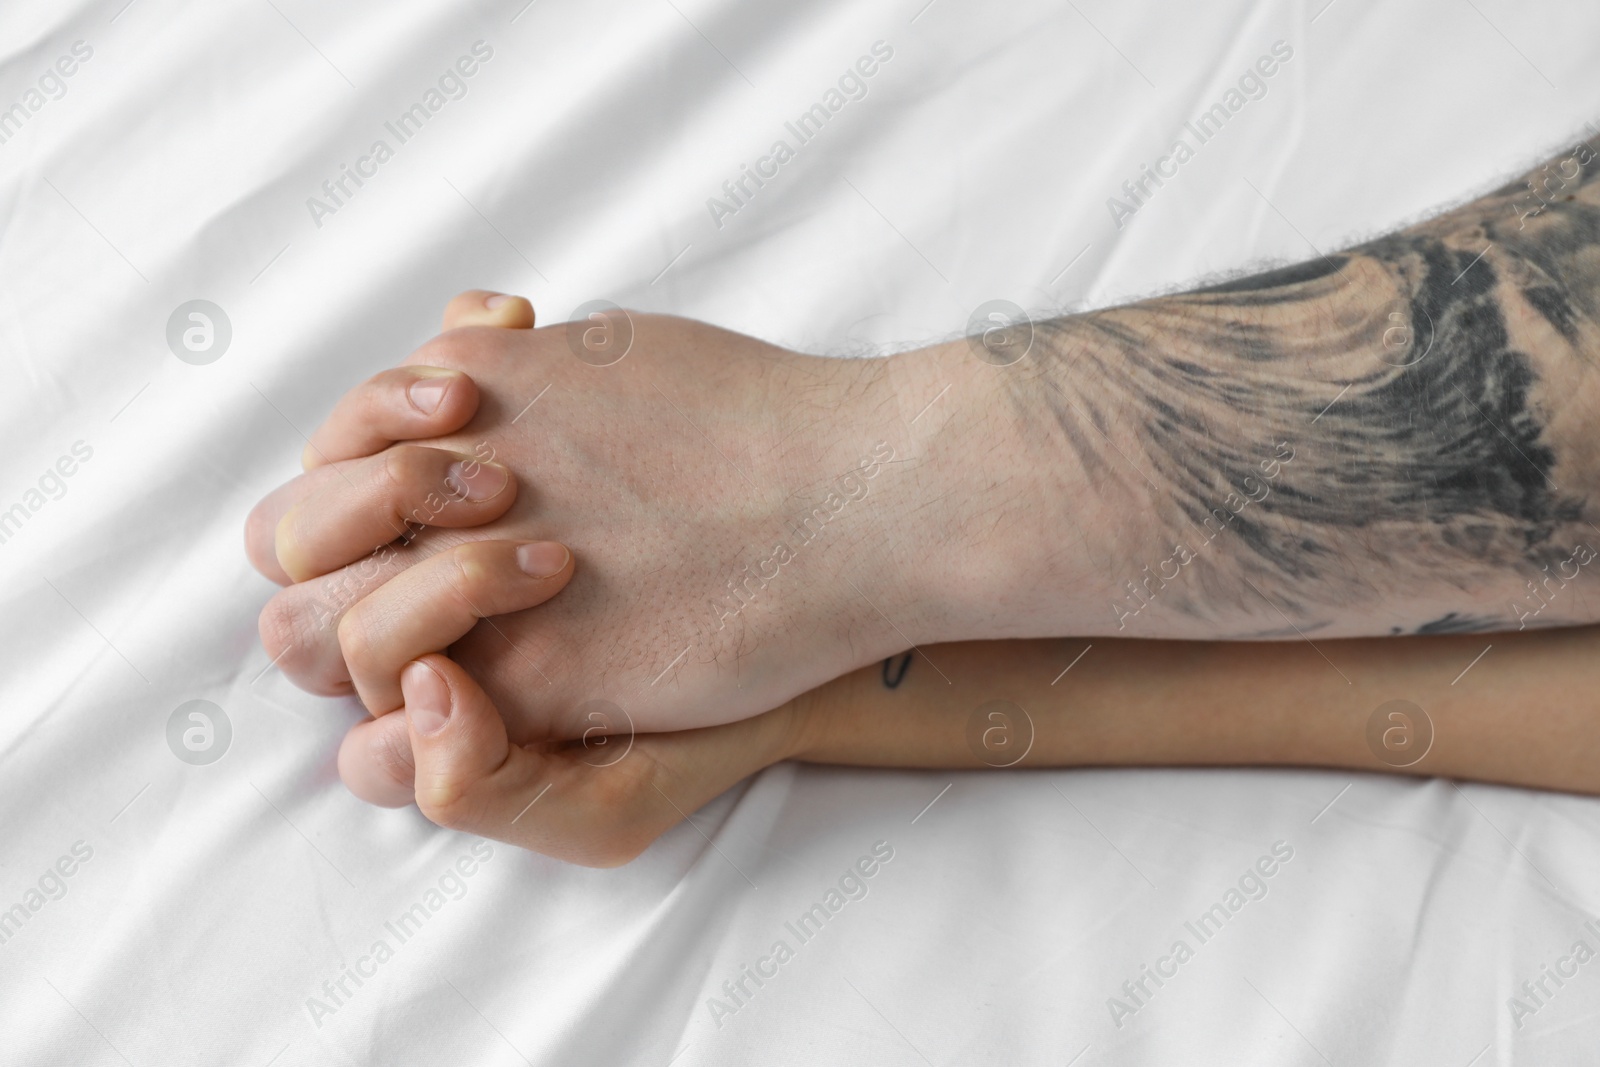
x=542 y=559
x=482 y=482
x=427 y=698
x=495 y=301
x=426 y=394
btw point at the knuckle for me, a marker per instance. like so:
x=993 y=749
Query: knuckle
x=447 y=802
x=471 y=569
x=292 y=620
x=377 y=385
x=278 y=626
x=404 y=469
x=355 y=638
x=294 y=632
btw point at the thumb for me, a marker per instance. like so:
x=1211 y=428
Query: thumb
x=601 y=814
x=468 y=774
x=469 y=777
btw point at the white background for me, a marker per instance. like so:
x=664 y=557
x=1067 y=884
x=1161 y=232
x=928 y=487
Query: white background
x=177 y=166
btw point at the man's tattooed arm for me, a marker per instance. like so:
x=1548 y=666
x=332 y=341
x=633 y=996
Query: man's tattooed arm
x=1400 y=437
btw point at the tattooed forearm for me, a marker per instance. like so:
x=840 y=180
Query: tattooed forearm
x=1437 y=389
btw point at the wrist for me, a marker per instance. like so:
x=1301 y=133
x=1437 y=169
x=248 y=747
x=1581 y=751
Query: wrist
x=1001 y=524
x=841 y=721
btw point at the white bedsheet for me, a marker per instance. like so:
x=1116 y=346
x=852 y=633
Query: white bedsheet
x=208 y=904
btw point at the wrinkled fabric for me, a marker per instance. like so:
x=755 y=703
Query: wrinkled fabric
x=181 y=909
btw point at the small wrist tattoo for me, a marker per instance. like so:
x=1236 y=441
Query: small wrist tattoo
x=894 y=670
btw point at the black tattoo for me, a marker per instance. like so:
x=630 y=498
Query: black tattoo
x=1427 y=384
x=1460 y=623
x=894 y=674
